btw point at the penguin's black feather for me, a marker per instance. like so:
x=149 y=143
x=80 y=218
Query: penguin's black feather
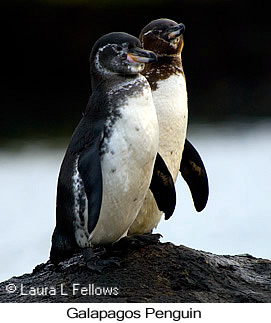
x=162 y=187
x=195 y=175
x=89 y=166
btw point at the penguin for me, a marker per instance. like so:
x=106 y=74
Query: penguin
x=168 y=84
x=111 y=160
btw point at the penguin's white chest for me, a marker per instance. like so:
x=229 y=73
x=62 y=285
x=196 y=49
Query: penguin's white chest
x=127 y=166
x=170 y=100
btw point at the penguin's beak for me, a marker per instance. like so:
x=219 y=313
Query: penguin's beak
x=175 y=31
x=140 y=55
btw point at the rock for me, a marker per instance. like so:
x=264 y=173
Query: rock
x=156 y=273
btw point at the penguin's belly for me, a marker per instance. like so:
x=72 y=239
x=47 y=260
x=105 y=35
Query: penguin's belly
x=127 y=166
x=170 y=100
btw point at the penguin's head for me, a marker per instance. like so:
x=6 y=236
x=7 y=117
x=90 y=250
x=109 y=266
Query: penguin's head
x=120 y=53
x=163 y=36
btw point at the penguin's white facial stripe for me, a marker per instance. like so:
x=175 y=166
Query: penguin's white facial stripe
x=148 y=32
x=98 y=65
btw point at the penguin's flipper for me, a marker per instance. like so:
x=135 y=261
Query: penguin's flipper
x=195 y=175
x=89 y=166
x=162 y=187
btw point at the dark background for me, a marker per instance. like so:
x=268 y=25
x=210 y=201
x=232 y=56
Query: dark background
x=45 y=82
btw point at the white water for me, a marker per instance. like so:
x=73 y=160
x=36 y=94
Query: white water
x=236 y=220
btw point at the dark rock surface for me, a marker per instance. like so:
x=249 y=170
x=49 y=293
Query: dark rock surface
x=155 y=273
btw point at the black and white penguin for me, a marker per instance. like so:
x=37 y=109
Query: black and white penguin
x=112 y=158
x=168 y=84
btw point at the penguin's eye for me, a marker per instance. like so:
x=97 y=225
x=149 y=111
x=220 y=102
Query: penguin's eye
x=119 y=48
x=156 y=32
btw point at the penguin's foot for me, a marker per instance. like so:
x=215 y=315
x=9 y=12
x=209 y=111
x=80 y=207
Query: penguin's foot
x=99 y=251
x=136 y=241
x=96 y=264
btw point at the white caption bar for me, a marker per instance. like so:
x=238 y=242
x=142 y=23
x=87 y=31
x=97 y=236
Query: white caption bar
x=153 y=312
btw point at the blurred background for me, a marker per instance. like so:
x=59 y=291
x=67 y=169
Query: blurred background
x=45 y=86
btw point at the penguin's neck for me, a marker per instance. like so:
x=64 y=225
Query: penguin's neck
x=175 y=60
x=106 y=82
x=126 y=87
x=165 y=67
x=116 y=90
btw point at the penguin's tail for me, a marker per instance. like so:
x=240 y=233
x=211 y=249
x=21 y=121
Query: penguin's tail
x=63 y=247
